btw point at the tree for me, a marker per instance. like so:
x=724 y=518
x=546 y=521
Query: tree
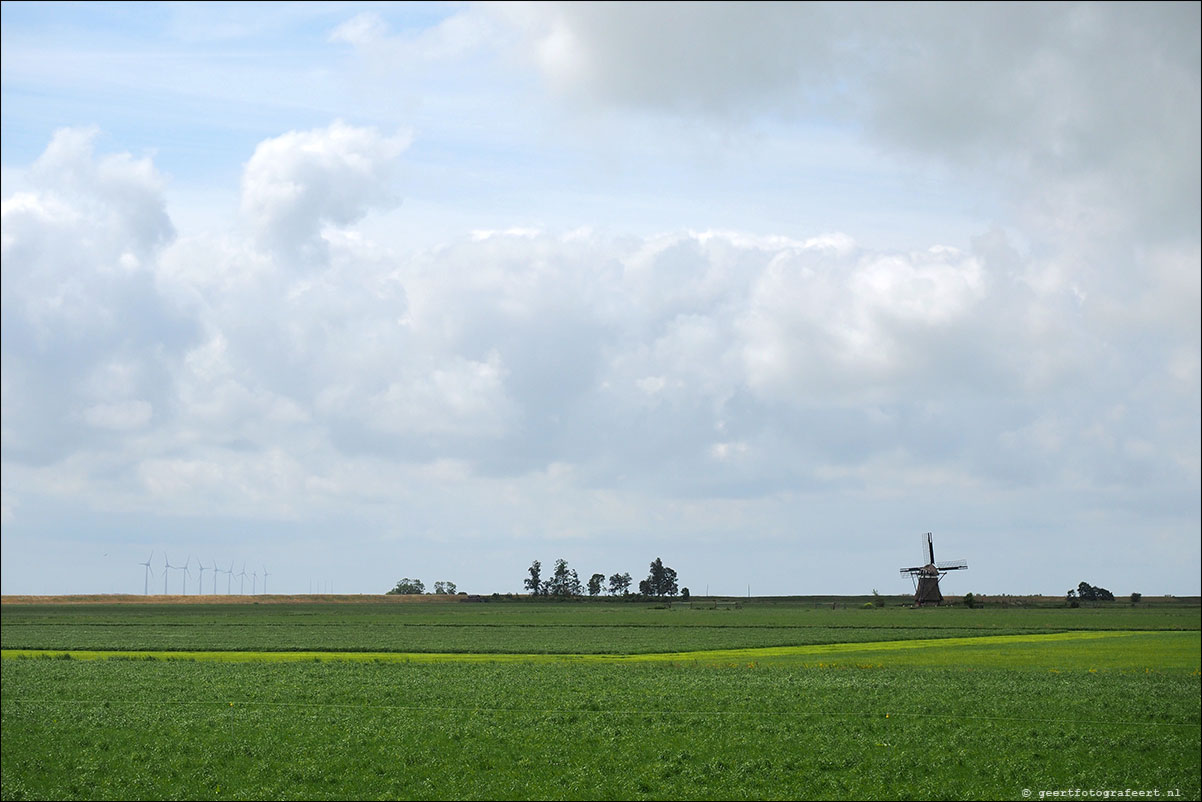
x=444 y=588
x=594 y=584
x=1087 y=592
x=684 y=594
x=619 y=584
x=970 y=601
x=662 y=581
x=564 y=582
x=1135 y=597
x=645 y=588
x=408 y=587
x=534 y=583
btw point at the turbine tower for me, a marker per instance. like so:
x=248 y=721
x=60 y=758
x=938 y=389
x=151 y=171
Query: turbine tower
x=229 y=578
x=167 y=566
x=242 y=581
x=146 y=590
x=200 y=583
x=265 y=575
x=215 y=570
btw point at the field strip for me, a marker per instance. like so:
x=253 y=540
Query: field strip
x=477 y=710
x=713 y=655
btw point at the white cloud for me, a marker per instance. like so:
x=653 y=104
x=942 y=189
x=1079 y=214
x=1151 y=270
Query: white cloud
x=297 y=183
x=361 y=29
x=88 y=338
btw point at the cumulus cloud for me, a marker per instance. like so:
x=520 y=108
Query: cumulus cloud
x=89 y=340
x=298 y=183
x=713 y=363
x=691 y=364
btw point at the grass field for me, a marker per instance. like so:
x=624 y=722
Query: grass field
x=1047 y=700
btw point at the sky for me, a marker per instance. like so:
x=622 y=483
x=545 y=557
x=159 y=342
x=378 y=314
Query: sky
x=351 y=292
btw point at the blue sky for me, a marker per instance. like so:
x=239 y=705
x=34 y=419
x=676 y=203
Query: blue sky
x=363 y=291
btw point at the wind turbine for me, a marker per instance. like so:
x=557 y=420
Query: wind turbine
x=215 y=570
x=167 y=566
x=200 y=583
x=146 y=590
x=187 y=573
x=229 y=579
x=254 y=582
x=242 y=581
x=265 y=575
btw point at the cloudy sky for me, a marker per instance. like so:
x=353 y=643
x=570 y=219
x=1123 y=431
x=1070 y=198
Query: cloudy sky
x=363 y=291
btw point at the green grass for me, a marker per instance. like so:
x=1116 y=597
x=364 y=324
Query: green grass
x=530 y=628
x=333 y=730
x=1039 y=699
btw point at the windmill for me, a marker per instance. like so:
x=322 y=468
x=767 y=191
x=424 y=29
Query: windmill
x=265 y=575
x=229 y=578
x=167 y=566
x=926 y=577
x=200 y=583
x=146 y=590
x=242 y=581
x=215 y=570
x=254 y=582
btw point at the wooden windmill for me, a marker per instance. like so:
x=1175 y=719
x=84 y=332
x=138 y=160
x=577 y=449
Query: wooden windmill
x=926 y=577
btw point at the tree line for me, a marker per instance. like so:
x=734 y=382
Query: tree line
x=415 y=587
x=564 y=582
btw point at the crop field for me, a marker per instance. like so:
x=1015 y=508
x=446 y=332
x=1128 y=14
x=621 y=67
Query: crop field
x=582 y=701
x=529 y=628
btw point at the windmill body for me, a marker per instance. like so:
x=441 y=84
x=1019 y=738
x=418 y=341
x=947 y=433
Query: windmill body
x=926 y=577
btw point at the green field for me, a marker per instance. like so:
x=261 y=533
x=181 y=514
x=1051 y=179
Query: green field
x=531 y=628
x=597 y=701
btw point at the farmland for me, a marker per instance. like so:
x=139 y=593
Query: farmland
x=531 y=628
x=596 y=701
